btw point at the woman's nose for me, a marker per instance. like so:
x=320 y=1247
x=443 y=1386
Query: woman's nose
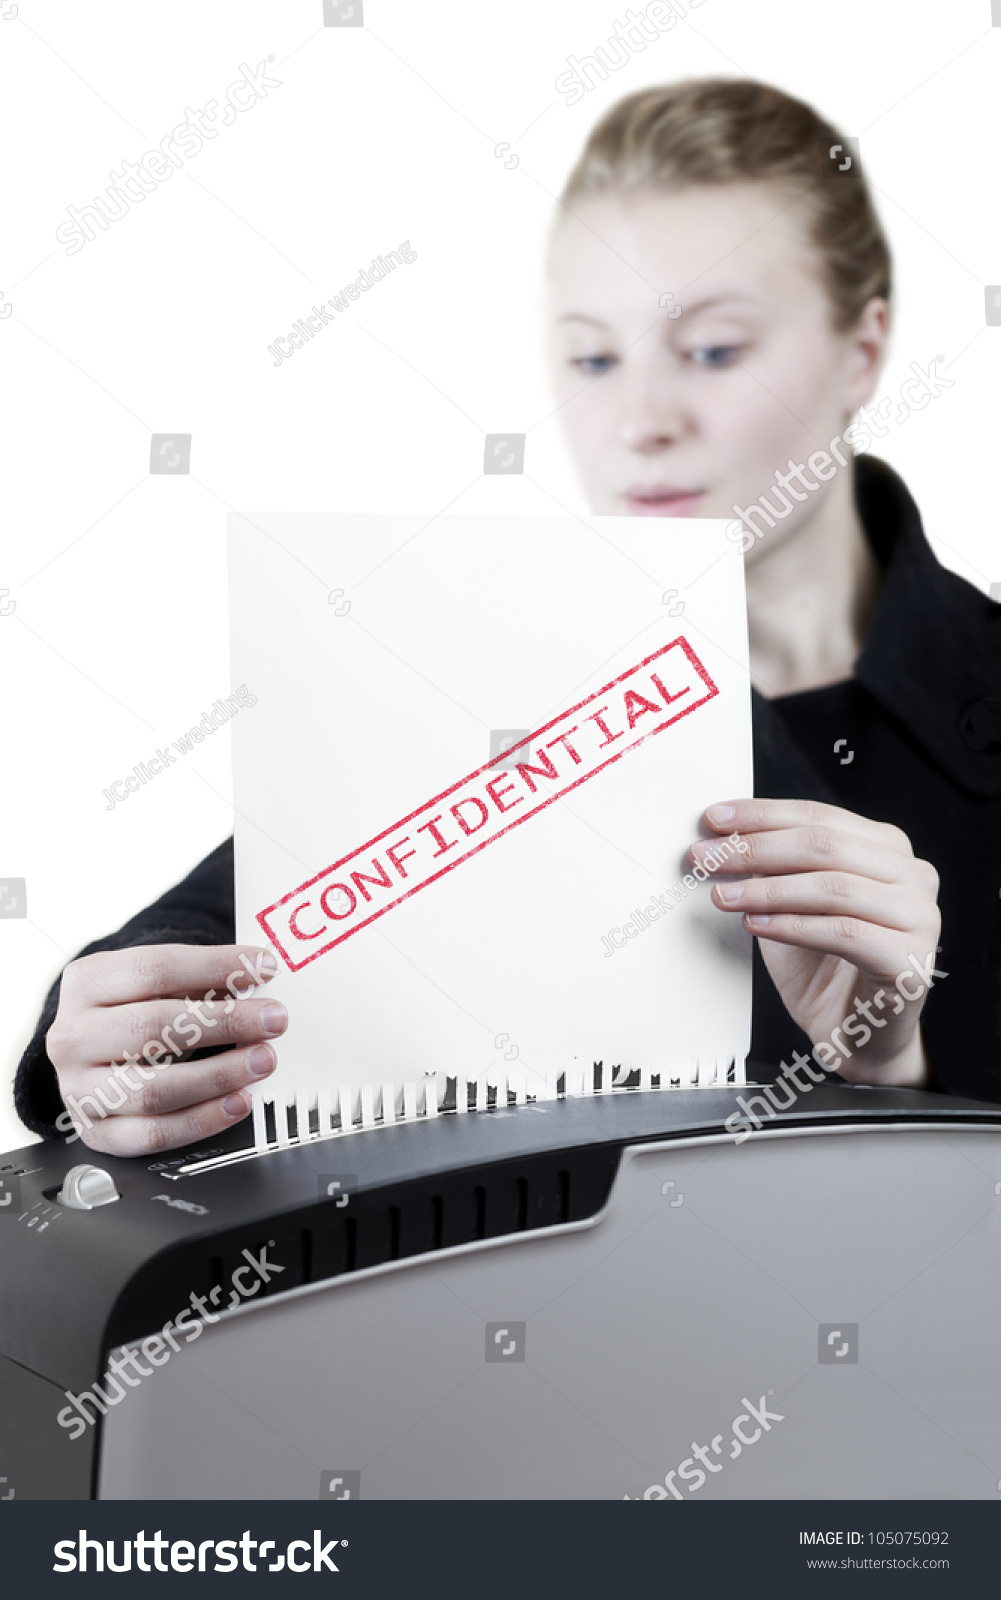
x=650 y=415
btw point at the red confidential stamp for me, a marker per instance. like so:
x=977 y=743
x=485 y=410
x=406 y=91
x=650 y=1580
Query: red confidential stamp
x=480 y=809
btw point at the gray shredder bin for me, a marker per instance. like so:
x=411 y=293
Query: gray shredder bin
x=585 y=1299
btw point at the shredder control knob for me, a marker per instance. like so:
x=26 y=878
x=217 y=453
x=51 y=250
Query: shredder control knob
x=85 y=1187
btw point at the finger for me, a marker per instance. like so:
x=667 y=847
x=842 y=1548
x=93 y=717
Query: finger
x=878 y=952
x=154 y=971
x=145 y=1136
x=764 y=816
x=156 y=1028
x=125 y=1093
x=824 y=893
x=808 y=849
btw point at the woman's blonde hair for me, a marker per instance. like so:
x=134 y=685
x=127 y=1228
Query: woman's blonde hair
x=732 y=130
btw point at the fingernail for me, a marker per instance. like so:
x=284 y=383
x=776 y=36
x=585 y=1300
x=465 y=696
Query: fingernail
x=262 y=1061
x=758 y=919
x=269 y=962
x=720 y=814
x=235 y=1105
x=729 y=891
x=274 y=1018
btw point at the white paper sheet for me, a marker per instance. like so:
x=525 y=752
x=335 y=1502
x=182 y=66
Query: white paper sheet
x=383 y=652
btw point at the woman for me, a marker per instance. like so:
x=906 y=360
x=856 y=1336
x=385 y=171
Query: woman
x=730 y=398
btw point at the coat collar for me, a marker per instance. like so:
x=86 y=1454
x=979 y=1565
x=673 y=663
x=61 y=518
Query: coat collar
x=932 y=656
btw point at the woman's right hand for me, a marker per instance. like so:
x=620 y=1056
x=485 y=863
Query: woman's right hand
x=128 y=1020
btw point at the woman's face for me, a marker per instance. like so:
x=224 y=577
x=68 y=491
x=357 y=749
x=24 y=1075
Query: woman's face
x=691 y=414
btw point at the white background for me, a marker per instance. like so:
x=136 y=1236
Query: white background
x=118 y=639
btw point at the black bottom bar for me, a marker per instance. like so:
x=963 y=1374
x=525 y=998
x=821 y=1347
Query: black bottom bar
x=523 y=1550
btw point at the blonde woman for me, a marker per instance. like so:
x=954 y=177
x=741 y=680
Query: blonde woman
x=877 y=674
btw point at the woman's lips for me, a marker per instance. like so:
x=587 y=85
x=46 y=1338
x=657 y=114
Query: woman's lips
x=663 y=502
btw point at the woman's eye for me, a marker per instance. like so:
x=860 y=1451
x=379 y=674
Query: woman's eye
x=592 y=366
x=715 y=355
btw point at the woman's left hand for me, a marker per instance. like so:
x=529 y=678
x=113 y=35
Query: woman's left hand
x=842 y=910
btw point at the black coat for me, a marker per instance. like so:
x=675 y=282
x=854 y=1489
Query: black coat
x=922 y=719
